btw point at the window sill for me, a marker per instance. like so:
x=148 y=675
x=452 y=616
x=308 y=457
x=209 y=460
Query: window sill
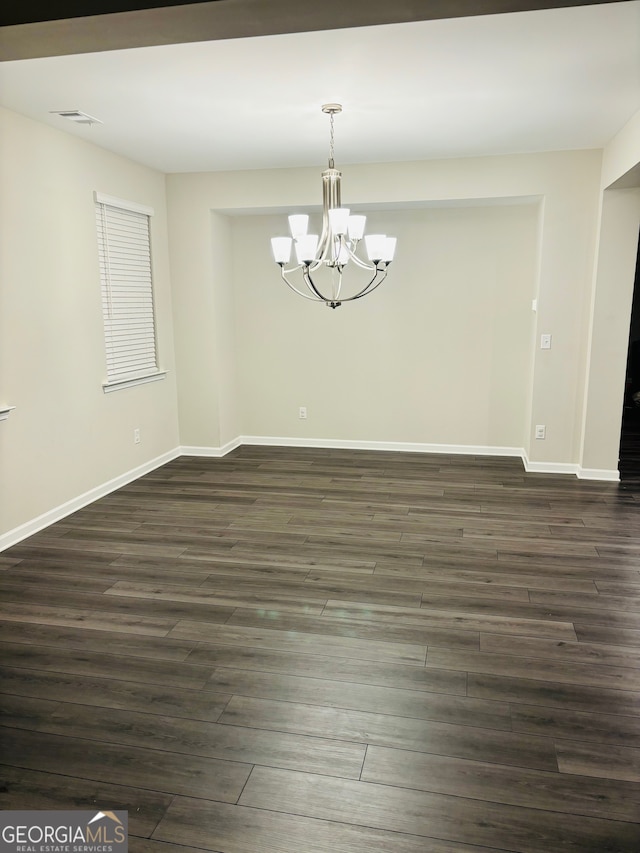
x=5 y=411
x=117 y=385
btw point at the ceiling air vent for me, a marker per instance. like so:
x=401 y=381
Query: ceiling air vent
x=76 y=115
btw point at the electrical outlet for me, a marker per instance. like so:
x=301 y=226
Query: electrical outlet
x=541 y=431
x=302 y=413
x=136 y=436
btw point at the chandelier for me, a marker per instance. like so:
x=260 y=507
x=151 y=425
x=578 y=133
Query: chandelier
x=321 y=261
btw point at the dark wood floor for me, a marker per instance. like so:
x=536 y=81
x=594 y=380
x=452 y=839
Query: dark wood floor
x=306 y=651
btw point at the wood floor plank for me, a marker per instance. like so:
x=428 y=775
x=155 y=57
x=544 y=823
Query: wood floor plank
x=562 y=671
x=479 y=780
x=26 y=552
x=148 y=845
x=42 y=614
x=151 y=699
x=148 y=769
x=576 y=725
x=320 y=547
x=551 y=563
x=608 y=587
x=622 y=551
x=321 y=587
x=217 y=595
x=487 y=578
x=561 y=650
x=368 y=727
x=387 y=632
x=234 y=829
x=359 y=697
x=543 y=567
x=46 y=579
x=109 y=548
x=154 y=570
x=181 y=569
x=54 y=791
x=435 y=815
x=403 y=676
x=603 y=602
x=593 y=615
x=138 y=645
x=440 y=586
x=552 y=694
x=603 y=761
x=410 y=653
x=104 y=665
x=265 y=557
x=597 y=534
x=20 y=712
x=94 y=603
x=608 y=636
x=533 y=545
x=208 y=740
x=437 y=619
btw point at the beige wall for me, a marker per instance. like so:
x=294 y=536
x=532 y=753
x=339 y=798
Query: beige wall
x=610 y=335
x=67 y=437
x=193 y=312
x=439 y=354
x=204 y=317
x=565 y=184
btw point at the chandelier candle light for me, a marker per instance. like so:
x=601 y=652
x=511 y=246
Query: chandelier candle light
x=327 y=257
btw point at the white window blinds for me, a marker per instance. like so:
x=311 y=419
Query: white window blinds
x=127 y=290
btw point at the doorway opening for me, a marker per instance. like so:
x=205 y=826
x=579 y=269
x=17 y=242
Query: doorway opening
x=629 y=465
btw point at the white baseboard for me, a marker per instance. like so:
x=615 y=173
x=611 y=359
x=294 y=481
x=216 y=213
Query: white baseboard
x=215 y=452
x=612 y=476
x=396 y=446
x=549 y=467
x=599 y=474
x=12 y=537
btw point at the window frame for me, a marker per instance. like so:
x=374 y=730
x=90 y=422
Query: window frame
x=126 y=378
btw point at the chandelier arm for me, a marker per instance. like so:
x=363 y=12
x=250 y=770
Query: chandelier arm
x=323 y=247
x=338 y=288
x=369 y=288
x=316 y=264
x=354 y=257
x=323 y=244
x=295 y=289
x=309 y=282
x=359 y=262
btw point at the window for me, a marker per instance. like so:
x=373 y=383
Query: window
x=124 y=247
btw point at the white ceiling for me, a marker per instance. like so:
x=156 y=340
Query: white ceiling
x=527 y=81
